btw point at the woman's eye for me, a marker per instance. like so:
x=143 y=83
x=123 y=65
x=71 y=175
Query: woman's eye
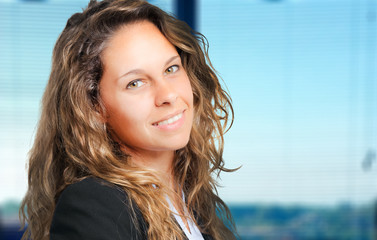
x=172 y=69
x=135 y=84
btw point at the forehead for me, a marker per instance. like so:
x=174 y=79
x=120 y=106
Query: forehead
x=136 y=39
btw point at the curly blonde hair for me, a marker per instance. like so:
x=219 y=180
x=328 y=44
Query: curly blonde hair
x=72 y=143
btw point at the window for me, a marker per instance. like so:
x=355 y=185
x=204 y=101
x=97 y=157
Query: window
x=302 y=75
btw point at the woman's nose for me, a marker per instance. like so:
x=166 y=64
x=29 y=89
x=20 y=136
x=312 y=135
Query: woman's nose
x=165 y=93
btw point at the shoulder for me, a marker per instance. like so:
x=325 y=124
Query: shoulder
x=95 y=209
x=93 y=190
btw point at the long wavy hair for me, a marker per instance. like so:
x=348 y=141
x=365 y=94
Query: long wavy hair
x=73 y=143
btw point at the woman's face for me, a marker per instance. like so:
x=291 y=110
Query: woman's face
x=146 y=91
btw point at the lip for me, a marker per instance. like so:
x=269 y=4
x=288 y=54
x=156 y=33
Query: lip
x=169 y=116
x=174 y=125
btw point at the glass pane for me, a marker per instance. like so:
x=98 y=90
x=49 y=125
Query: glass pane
x=302 y=75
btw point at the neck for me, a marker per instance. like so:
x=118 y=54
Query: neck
x=159 y=161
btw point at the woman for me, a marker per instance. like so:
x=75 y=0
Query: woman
x=131 y=132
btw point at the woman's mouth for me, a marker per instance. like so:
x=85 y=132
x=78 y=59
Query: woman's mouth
x=170 y=120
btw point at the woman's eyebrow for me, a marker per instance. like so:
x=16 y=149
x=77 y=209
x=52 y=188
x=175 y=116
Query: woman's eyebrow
x=139 y=71
x=171 y=59
x=134 y=71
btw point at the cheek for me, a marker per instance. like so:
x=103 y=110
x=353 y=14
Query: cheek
x=186 y=91
x=190 y=90
x=128 y=112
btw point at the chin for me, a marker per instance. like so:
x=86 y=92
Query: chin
x=176 y=145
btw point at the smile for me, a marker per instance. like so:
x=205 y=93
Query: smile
x=170 y=120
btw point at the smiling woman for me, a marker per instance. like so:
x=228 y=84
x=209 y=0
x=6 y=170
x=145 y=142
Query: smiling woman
x=131 y=132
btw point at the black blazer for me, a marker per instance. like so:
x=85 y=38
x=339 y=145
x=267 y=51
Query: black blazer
x=97 y=210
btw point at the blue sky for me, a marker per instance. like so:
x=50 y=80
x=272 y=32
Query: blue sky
x=301 y=74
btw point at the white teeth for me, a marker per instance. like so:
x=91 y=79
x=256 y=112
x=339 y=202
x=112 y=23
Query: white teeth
x=170 y=120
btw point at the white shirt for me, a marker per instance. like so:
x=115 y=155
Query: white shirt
x=194 y=233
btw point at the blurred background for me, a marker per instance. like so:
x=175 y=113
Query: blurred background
x=303 y=78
